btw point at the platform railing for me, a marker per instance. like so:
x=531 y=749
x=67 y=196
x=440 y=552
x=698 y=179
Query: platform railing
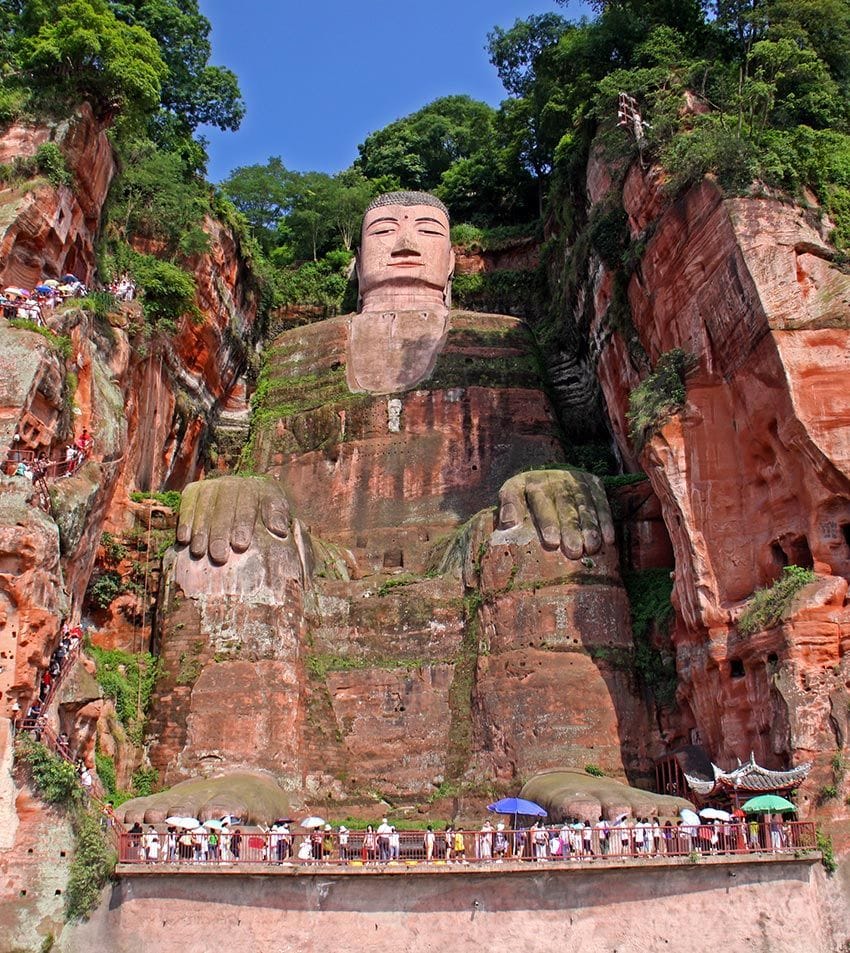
x=359 y=850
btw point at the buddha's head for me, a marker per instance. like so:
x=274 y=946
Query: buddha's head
x=405 y=262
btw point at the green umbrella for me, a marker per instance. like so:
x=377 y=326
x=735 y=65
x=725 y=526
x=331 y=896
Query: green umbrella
x=767 y=802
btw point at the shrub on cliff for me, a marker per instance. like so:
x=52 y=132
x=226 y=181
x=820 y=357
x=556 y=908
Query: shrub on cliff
x=54 y=779
x=768 y=606
x=57 y=782
x=128 y=679
x=92 y=866
x=659 y=396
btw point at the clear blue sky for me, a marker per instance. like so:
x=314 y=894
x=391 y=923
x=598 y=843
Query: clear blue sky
x=319 y=75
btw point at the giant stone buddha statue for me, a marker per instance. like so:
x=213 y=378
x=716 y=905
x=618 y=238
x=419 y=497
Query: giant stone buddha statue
x=412 y=590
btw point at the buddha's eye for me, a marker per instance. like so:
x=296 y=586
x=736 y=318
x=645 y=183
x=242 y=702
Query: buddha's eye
x=431 y=231
x=383 y=231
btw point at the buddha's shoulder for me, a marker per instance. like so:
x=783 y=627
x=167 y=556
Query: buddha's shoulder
x=318 y=343
x=471 y=328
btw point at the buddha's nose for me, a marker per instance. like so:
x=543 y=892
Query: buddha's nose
x=406 y=243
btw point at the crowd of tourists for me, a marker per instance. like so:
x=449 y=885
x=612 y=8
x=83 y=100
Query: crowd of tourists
x=70 y=639
x=36 y=303
x=38 y=466
x=225 y=841
x=33 y=304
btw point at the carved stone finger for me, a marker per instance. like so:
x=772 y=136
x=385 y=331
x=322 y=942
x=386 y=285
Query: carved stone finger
x=221 y=521
x=511 y=505
x=603 y=511
x=204 y=505
x=570 y=537
x=591 y=533
x=544 y=514
x=275 y=510
x=246 y=505
x=187 y=512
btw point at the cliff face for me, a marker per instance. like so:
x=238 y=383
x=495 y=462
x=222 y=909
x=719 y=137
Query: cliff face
x=149 y=400
x=46 y=232
x=752 y=474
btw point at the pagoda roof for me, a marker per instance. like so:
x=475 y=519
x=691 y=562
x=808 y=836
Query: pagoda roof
x=748 y=777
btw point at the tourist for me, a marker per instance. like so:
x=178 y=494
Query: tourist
x=667 y=836
x=235 y=843
x=212 y=846
x=564 y=838
x=429 y=841
x=775 y=826
x=485 y=842
x=587 y=840
x=316 y=841
x=328 y=841
x=458 y=846
x=448 y=836
x=576 y=830
x=185 y=847
x=600 y=833
x=134 y=841
x=685 y=837
x=384 y=840
x=539 y=838
x=395 y=844
x=554 y=844
x=637 y=837
x=171 y=844
x=343 y=843
x=150 y=842
x=500 y=843
x=84 y=443
x=369 y=850
x=656 y=836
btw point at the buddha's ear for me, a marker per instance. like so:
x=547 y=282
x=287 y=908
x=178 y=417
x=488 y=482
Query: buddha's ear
x=447 y=291
x=357 y=277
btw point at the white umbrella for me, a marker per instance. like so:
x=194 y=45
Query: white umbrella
x=313 y=822
x=179 y=821
x=688 y=816
x=715 y=814
x=214 y=825
x=200 y=830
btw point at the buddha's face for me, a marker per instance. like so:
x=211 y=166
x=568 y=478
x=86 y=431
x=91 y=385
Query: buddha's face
x=405 y=256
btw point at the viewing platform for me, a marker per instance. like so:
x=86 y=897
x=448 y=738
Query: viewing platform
x=271 y=854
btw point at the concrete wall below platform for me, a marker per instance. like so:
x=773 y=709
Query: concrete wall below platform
x=740 y=908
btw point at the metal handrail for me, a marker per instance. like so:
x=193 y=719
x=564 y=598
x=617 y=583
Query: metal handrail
x=683 y=842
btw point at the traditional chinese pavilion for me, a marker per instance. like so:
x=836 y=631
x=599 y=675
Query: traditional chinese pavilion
x=747 y=780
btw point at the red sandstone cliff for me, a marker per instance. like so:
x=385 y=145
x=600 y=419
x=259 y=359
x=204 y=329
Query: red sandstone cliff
x=150 y=400
x=753 y=473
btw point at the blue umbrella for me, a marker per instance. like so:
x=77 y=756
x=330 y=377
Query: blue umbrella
x=44 y=289
x=516 y=805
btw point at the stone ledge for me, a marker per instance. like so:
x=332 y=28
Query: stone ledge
x=421 y=868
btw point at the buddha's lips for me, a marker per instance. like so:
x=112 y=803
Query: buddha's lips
x=406 y=264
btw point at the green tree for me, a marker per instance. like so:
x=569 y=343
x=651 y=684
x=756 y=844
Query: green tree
x=513 y=52
x=193 y=91
x=350 y=193
x=263 y=194
x=309 y=223
x=153 y=197
x=80 y=50
x=419 y=148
